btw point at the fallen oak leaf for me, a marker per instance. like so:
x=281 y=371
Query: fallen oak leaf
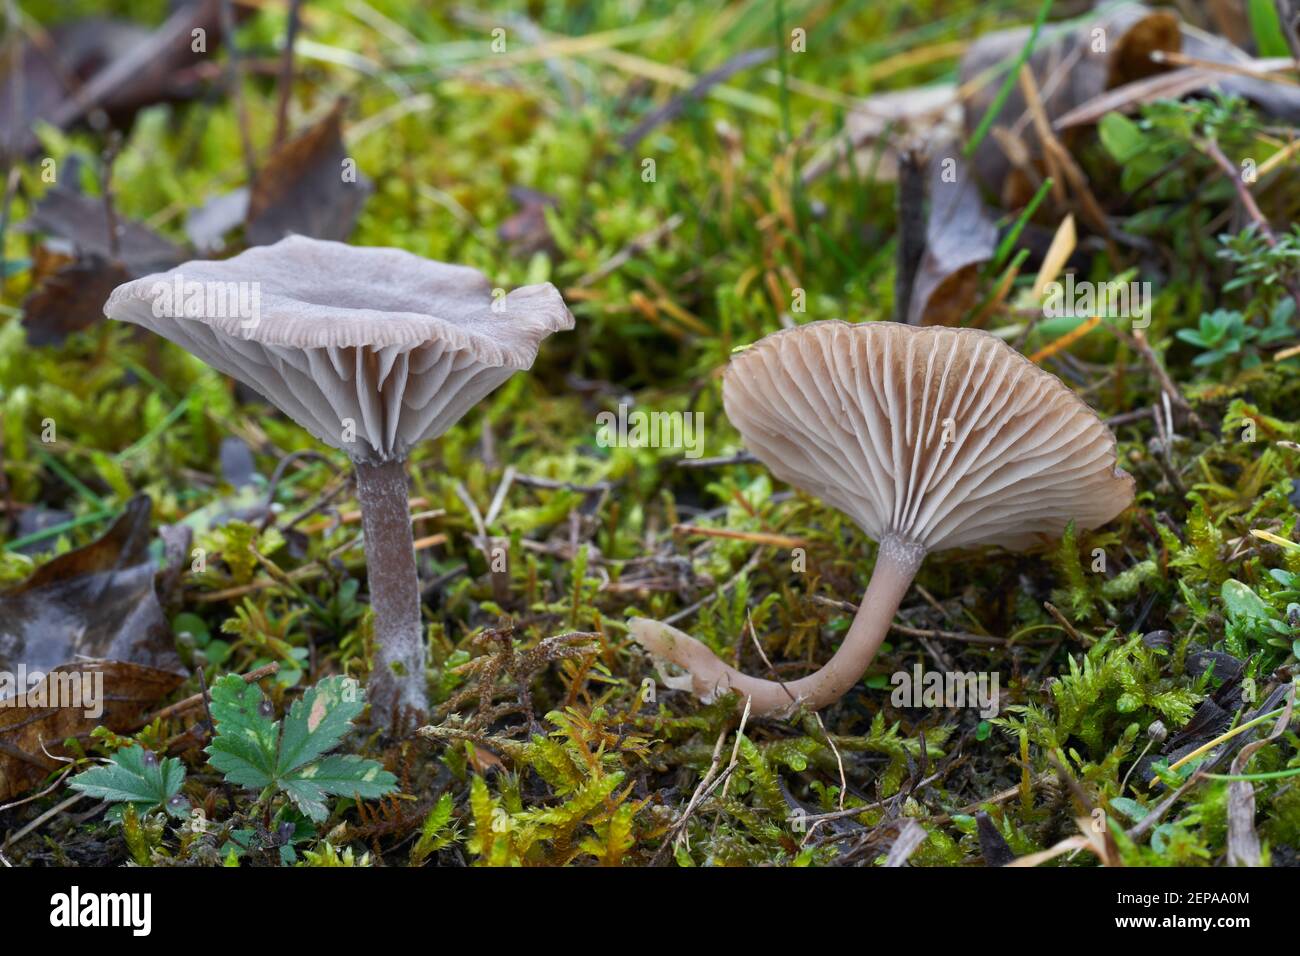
x=82 y=222
x=71 y=296
x=38 y=73
x=107 y=65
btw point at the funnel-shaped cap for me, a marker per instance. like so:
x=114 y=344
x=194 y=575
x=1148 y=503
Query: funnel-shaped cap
x=939 y=436
x=369 y=349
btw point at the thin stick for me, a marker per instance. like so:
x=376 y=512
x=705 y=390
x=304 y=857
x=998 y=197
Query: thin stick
x=106 y=189
x=286 y=74
x=227 y=17
x=757 y=537
x=47 y=815
x=188 y=703
x=1212 y=149
x=1183 y=59
x=1065 y=623
x=740 y=458
x=36 y=796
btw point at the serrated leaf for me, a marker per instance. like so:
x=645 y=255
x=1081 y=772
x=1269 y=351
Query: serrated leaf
x=342 y=775
x=318 y=721
x=253 y=750
x=245 y=747
x=136 y=776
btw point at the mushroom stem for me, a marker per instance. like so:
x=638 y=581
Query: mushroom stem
x=896 y=566
x=397 y=680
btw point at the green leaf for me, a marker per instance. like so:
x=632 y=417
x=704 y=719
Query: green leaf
x=1121 y=136
x=253 y=750
x=318 y=721
x=1241 y=602
x=1266 y=28
x=342 y=775
x=245 y=748
x=1130 y=808
x=137 y=777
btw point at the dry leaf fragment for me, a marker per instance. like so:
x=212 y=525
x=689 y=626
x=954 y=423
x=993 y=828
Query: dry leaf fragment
x=306 y=187
x=960 y=236
x=1070 y=65
x=90 y=622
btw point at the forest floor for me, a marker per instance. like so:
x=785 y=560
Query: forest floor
x=682 y=213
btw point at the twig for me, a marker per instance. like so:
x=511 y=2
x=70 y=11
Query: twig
x=535 y=481
x=911 y=230
x=635 y=247
x=700 y=793
x=731 y=583
x=1062 y=620
x=1138 y=342
x=273 y=484
x=678 y=103
x=756 y=537
x=47 y=815
x=286 y=74
x=109 y=156
x=739 y=458
x=36 y=796
x=1216 y=66
x=850 y=608
x=227 y=18
x=1212 y=149
x=188 y=703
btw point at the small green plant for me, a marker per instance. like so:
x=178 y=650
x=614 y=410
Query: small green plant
x=136 y=777
x=1259 y=261
x=1222 y=334
x=253 y=750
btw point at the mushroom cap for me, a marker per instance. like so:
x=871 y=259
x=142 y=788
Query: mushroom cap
x=329 y=333
x=940 y=436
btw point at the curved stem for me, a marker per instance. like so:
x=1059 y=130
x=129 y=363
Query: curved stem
x=397 y=681
x=896 y=566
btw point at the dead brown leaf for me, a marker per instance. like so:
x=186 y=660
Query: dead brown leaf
x=95 y=602
x=960 y=236
x=32 y=732
x=71 y=299
x=89 y=614
x=74 y=69
x=1069 y=66
x=302 y=188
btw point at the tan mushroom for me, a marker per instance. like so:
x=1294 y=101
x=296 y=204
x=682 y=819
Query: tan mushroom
x=928 y=438
x=371 y=350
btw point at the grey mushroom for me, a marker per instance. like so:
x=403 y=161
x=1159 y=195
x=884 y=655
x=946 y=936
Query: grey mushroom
x=371 y=350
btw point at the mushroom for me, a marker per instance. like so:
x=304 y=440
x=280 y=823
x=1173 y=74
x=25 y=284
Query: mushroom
x=928 y=438
x=371 y=350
